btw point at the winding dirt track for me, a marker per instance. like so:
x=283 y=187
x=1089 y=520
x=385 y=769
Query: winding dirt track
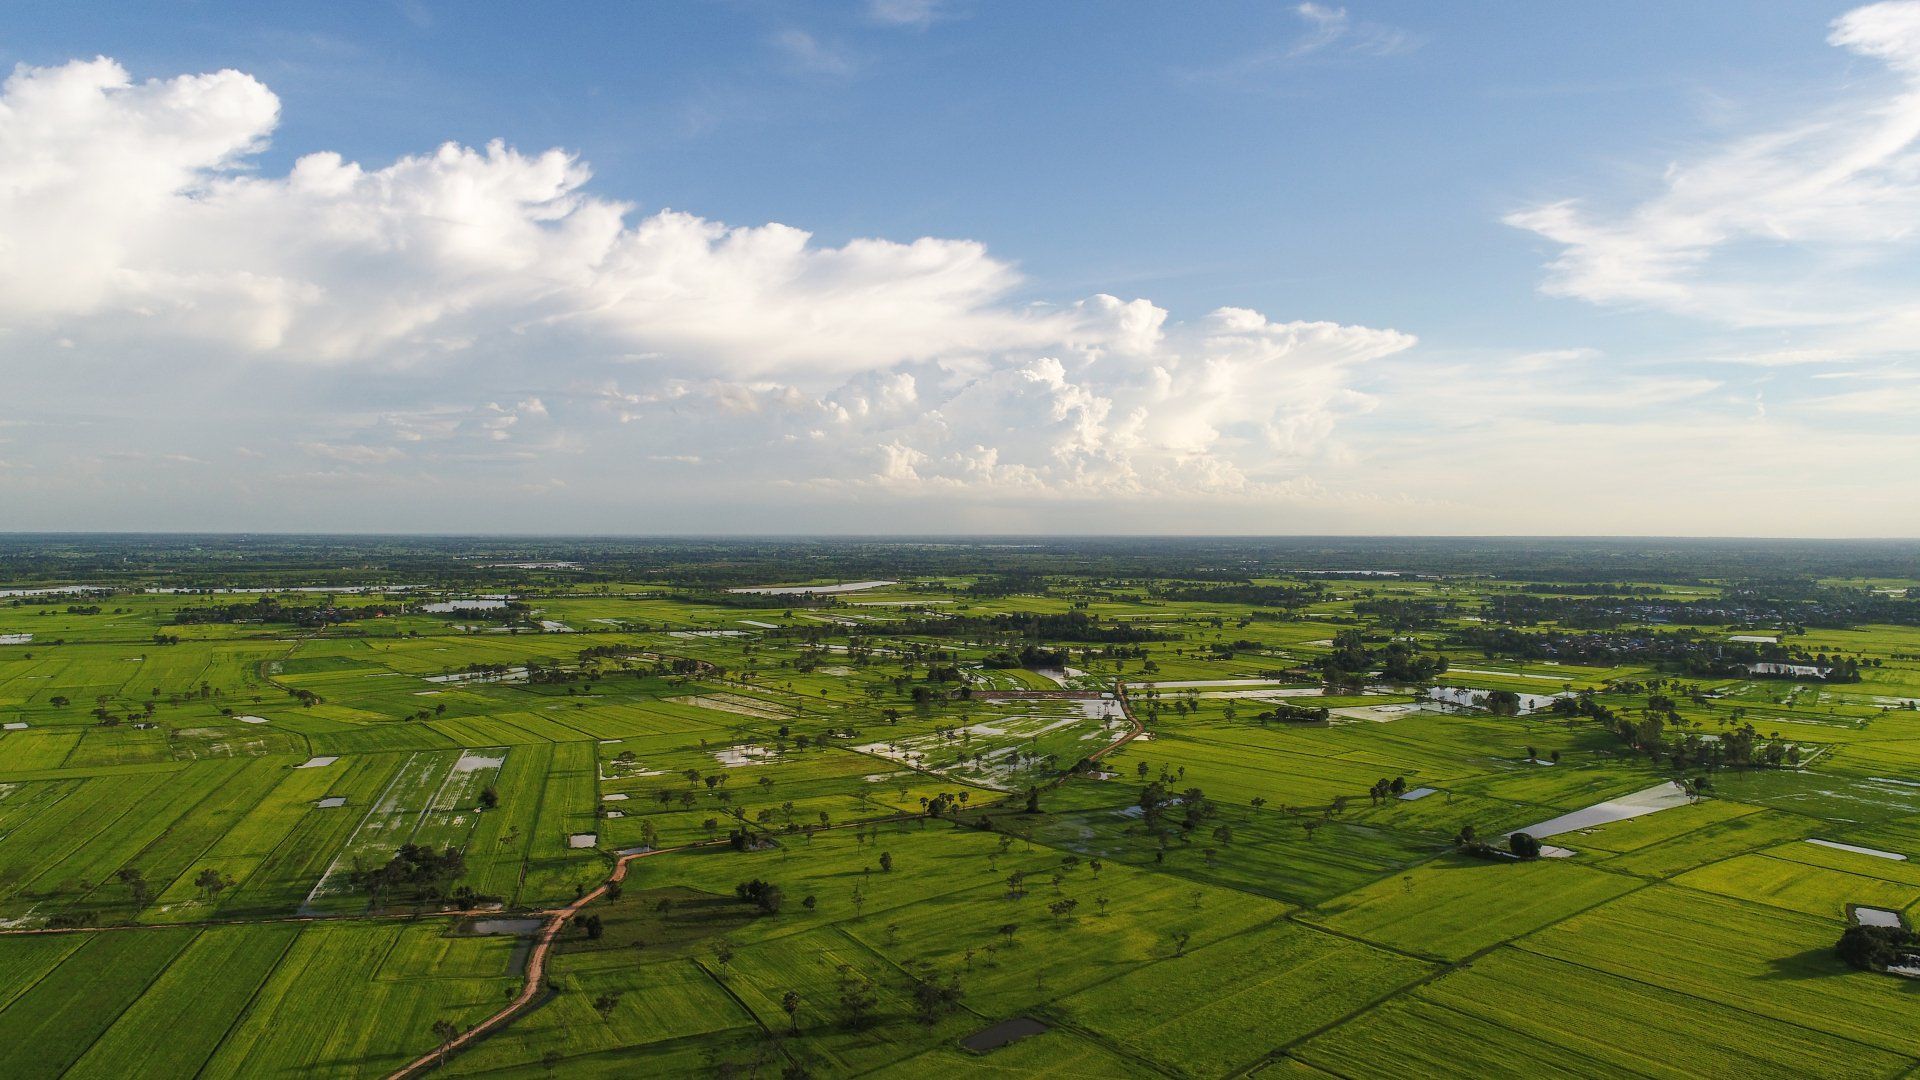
x=558 y=918
x=536 y=968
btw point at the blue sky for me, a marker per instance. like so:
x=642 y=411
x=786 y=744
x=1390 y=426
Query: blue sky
x=1517 y=268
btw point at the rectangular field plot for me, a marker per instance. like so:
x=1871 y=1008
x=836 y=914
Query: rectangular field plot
x=658 y=1005
x=567 y=803
x=29 y=751
x=1634 y=834
x=1569 y=1014
x=1710 y=843
x=431 y=799
x=55 y=833
x=356 y=999
x=207 y=986
x=1456 y=906
x=1412 y=1036
x=1739 y=954
x=268 y=846
x=1267 y=853
x=1799 y=886
x=1220 y=1009
x=1008 y=751
x=1057 y=1053
x=48 y=1026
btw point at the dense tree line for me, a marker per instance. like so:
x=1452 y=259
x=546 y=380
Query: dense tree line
x=269 y=609
x=1775 y=604
x=1069 y=626
x=1681 y=651
x=1244 y=594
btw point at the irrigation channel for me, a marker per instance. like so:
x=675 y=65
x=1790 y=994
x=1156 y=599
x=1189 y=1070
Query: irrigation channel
x=558 y=918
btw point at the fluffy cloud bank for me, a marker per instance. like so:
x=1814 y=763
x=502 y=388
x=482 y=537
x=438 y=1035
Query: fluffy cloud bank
x=1232 y=404
x=128 y=208
x=136 y=228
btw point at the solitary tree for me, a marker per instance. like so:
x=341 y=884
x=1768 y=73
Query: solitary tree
x=446 y=1031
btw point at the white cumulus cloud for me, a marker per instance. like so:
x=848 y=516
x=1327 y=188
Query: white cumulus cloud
x=469 y=309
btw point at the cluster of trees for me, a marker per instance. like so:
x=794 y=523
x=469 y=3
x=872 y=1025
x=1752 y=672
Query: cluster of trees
x=416 y=873
x=1384 y=789
x=1581 y=704
x=1013 y=582
x=1351 y=661
x=1294 y=714
x=1074 y=626
x=546 y=672
x=1031 y=656
x=1875 y=948
x=1403 y=615
x=1157 y=807
x=1658 y=732
x=764 y=895
x=1519 y=845
x=269 y=609
x=1244 y=594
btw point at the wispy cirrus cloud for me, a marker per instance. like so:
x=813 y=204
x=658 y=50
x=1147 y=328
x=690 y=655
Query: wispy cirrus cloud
x=1333 y=29
x=1810 y=225
x=808 y=54
x=914 y=14
x=1327 y=33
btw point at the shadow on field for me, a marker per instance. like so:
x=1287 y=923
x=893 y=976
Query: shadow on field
x=1810 y=964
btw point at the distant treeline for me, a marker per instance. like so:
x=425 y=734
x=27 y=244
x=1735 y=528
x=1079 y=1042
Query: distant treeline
x=269 y=609
x=1073 y=626
x=995 y=563
x=1280 y=596
x=1776 y=605
x=1407 y=614
x=1680 y=651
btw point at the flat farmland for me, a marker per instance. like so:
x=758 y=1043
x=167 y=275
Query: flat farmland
x=865 y=828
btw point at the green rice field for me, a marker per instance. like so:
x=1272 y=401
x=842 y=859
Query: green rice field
x=1139 y=836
